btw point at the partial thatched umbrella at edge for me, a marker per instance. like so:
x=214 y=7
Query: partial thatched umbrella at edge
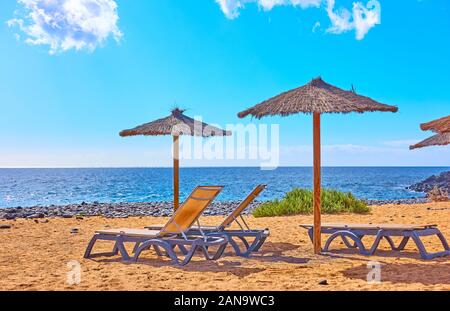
x=316 y=97
x=436 y=140
x=175 y=125
x=440 y=126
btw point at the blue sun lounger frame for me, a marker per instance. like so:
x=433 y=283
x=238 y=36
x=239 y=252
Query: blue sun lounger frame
x=356 y=232
x=252 y=239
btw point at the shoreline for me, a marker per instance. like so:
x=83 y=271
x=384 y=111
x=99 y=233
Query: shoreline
x=155 y=209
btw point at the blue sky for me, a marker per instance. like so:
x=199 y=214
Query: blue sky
x=64 y=107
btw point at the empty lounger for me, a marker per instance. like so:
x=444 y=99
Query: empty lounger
x=258 y=236
x=356 y=233
x=172 y=235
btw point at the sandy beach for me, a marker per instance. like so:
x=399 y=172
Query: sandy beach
x=35 y=252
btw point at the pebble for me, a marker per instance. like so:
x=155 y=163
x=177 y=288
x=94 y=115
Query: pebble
x=5 y=226
x=124 y=210
x=398 y=202
x=113 y=210
x=323 y=282
x=74 y=230
x=37 y=215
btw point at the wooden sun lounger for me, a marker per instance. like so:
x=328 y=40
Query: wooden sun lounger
x=234 y=236
x=172 y=235
x=356 y=233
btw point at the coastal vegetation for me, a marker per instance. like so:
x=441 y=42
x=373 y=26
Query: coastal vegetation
x=300 y=201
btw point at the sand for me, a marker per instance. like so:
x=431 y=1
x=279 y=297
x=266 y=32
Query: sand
x=34 y=256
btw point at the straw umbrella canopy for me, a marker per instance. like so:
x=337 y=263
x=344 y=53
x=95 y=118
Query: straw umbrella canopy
x=176 y=124
x=316 y=97
x=436 y=140
x=440 y=126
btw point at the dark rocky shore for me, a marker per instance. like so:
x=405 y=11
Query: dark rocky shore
x=441 y=181
x=112 y=210
x=124 y=210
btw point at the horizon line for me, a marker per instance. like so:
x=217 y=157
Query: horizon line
x=237 y=166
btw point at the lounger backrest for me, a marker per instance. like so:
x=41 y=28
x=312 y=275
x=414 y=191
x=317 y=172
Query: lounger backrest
x=243 y=205
x=188 y=213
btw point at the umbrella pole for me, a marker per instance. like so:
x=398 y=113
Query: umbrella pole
x=317 y=185
x=176 y=169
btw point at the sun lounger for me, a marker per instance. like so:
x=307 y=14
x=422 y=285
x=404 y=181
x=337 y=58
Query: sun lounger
x=356 y=232
x=173 y=234
x=234 y=236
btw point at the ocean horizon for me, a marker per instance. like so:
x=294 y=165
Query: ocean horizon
x=60 y=186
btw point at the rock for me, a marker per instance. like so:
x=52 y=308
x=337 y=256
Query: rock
x=74 y=230
x=323 y=282
x=37 y=215
x=442 y=181
x=5 y=226
x=10 y=216
x=79 y=217
x=36 y=221
x=45 y=221
x=66 y=216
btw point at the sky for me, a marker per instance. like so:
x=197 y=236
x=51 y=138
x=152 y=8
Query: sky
x=74 y=73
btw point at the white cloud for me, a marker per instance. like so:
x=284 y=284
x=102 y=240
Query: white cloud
x=361 y=19
x=67 y=24
x=400 y=143
x=364 y=18
x=316 y=27
x=231 y=7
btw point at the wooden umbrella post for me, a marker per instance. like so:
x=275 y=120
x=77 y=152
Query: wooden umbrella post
x=317 y=184
x=176 y=172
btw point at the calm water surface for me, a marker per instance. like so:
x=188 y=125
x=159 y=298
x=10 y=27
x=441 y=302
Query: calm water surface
x=28 y=187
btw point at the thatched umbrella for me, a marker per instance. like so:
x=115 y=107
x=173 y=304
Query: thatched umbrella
x=436 y=140
x=440 y=126
x=176 y=124
x=316 y=97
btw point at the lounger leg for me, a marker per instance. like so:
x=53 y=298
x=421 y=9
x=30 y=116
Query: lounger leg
x=206 y=252
x=88 y=252
x=391 y=243
x=156 y=243
x=423 y=252
x=443 y=241
x=347 y=243
x=236 y=247
x=157 y=250
x=350 y=235
x=311 y=234
x=121 y=247
x=402 y=244
x=136 y=245
x=183 y=249
x=377 y=241
x=260 y=243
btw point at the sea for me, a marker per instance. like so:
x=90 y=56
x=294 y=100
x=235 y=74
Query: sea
x=60 y=186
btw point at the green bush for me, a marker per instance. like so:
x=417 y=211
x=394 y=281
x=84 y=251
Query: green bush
x=300 y=201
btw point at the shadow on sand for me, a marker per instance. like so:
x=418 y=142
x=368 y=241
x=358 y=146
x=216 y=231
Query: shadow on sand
x=271 y=252
x=427 y=274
